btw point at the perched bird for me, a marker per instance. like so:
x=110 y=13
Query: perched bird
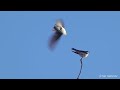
x=59 y=30
x=83 y=54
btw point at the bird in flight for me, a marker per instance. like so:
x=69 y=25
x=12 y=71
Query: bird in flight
x=82 y=54
x=59 y=30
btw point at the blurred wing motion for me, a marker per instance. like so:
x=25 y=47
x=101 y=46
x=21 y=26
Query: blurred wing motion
x=54 y=39
x=60 y=22
x=59 y=30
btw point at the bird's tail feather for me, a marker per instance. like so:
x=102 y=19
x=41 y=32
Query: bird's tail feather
x=73 y=49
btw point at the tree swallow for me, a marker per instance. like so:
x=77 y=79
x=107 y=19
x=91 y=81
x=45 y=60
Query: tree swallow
x=59 y=30
x=83 y=54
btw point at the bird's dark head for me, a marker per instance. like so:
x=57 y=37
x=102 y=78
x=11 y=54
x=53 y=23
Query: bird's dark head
x=87 y=51
x=86 y=54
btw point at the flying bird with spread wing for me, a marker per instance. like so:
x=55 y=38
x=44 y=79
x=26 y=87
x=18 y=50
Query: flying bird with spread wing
x=83 y=54
x=59 y=30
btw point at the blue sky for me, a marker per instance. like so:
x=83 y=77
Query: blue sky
x=24 y=52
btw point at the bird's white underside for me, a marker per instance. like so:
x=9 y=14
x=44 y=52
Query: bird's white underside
x=84 y=55
x=63 y=31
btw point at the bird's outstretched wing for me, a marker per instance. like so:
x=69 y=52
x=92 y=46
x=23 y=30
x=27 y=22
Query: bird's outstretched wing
x=54 y=39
